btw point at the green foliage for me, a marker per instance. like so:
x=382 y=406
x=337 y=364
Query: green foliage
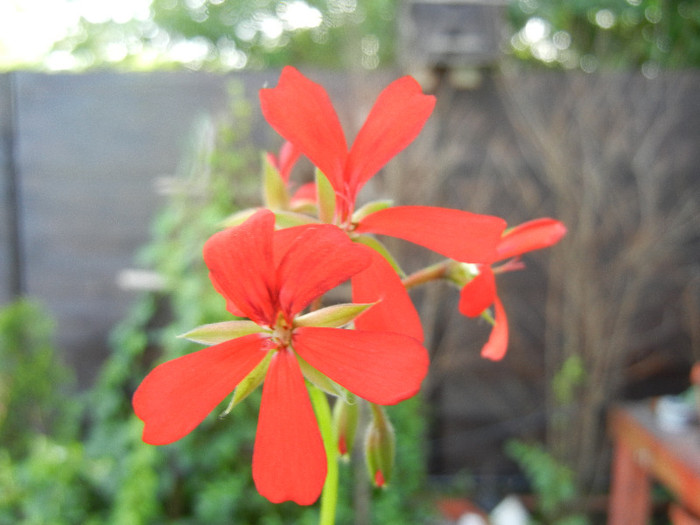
x=44 y=473
x=568 y=380
x=32 y=381
x=232 y=34
x=588 y=34
x=553 y=483
x=255 y=34
x=50 y=484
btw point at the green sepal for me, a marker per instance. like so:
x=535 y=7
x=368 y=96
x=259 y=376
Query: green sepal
x=287 y=219
x=304 y=207
x=238 y=218
x=326 y=198
x=382 y=250
x=283 y=219
x=275 y=194
x=215 y=333
x=333 y=316
x=319 y=380
x=369 y=208
x=249 y=383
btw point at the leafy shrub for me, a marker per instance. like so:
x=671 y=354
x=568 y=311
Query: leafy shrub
x=553 y=483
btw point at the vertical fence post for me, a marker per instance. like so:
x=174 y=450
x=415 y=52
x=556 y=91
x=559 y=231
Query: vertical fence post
x=11 y=271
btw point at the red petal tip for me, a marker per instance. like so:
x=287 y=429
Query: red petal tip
x=529 y=236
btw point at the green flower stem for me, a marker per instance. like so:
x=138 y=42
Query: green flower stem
x=329 y=496
x=431 y=273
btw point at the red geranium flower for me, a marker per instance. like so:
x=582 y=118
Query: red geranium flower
x=270 y=277
x=301 y=111
x=480 y=292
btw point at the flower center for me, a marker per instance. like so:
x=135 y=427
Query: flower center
x=282 y=335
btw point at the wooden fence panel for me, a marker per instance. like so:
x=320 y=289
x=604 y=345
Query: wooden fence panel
x=9 y=265
x=89 y=150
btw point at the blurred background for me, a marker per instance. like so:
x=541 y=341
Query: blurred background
x=129 y=129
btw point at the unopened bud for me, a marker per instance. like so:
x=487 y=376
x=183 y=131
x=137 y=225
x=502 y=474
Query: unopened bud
x=379 y=480
x=380 y=447
x=345 y=417
x=461 y=273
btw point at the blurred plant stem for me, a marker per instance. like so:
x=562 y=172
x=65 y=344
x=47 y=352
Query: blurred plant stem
x=329 y=496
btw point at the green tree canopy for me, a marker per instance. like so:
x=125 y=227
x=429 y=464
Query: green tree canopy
x=255 y=34
x=233 y=34
x=588 y=34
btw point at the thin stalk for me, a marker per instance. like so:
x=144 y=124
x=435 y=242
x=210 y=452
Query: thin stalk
x=329 y=496
x=430 y=273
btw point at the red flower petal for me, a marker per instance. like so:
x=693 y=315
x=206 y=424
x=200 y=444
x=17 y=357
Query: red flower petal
x=529 y=236
x=478 y=294
x=496 y=346
x=177 y=395
x=306 y=192
x=394 y=311
x=289 y=154
x=321 y=258
x=381 y=367
x=396 y=119
x=289 y=461
x=457 y=234
x=230 y=306
x=284 y=239
x=301 y=111
x=240 y=261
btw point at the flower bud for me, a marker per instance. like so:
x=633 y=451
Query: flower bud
x=345 y=417
x=461 y=273
x=380 y=447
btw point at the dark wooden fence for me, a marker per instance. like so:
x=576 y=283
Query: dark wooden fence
x=81 y=155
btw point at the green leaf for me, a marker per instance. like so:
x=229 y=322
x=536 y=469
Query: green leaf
x=275 y=194
x=382 y=250
x=326 y=198
x=211 y=334
x=333 y=316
